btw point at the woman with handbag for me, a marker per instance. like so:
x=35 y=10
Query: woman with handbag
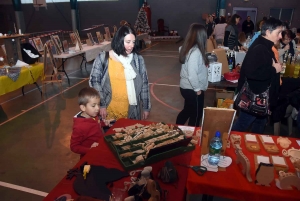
x=193 y=75
x=259 y=83
x=232 y=33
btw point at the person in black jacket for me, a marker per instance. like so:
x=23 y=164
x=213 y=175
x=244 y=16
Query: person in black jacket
x=248 y=27
x=261 y=69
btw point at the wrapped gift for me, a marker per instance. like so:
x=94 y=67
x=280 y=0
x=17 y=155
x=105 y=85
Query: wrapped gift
x=214 y=72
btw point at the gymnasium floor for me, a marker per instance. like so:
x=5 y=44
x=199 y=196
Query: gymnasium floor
x=35 y=131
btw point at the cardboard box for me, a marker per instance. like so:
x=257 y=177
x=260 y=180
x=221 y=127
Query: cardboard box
x=222 y=95
x=222 y=58
x=214 y=72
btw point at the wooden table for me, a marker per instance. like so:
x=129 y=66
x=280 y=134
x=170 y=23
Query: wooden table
x=102 y=156
x=233 y=184
x=28 y=75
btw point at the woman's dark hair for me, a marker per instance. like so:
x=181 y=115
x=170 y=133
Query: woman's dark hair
x=117 y=43
x=196 y=36
x=270 y=24
x=222 y=20
x=287 y=33
x=233 y=19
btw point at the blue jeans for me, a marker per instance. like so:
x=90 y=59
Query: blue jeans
x=245 y=120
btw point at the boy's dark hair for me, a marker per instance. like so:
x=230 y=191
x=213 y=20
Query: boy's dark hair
x=117 y=43
x=270 y=24
x=85 y=94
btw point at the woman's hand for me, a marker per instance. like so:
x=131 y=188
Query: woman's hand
x=277 y=66
x=145 y=115
x=198 y=92
x=286 y=47
x=103 y=113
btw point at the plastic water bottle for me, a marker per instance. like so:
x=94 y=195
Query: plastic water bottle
x=248 y=42
x=230 y=65
x=215 y=149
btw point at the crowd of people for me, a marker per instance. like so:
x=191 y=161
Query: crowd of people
x=119 y=86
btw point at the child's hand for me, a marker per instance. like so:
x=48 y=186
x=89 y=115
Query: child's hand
x=95 y=144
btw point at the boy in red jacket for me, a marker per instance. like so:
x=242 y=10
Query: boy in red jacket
x=87 y=129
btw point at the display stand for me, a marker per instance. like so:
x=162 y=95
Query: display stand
x=13 y=47
x=269 y=144
x=211 y=124
x=252 y=145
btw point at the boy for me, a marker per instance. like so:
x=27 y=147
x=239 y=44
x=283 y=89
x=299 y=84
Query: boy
x=86 y=128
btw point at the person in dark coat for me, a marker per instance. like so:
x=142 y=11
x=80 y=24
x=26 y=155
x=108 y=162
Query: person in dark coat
x=262 y=70
x=248 y=27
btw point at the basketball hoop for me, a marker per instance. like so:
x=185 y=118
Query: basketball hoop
x=39 y=3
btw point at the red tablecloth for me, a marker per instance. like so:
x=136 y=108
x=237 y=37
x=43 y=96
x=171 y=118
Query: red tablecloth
x=233 y=184
x=103 y=156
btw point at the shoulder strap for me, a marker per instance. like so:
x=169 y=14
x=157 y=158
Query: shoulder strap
x=104 y=63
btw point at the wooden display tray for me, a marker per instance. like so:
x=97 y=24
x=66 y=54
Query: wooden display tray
x=154 y=155
x=269 y=147
x=250 y=145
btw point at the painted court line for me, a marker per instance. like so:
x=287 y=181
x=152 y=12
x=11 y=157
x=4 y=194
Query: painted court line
x=153 y=55
x=24 y=189
x=36 y=89
x=161 y=51
x=42 y=102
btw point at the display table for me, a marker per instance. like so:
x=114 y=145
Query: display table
x=28 y=75
x=88 y=54
x=102 y=156
x=233 y=184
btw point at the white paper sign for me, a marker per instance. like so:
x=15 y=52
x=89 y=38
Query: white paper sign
x=251 y=138
x=267 y=139
x=278 y=160
x=298 y=141
x=263 y=159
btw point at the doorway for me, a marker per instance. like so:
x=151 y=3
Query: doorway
x=244 y=13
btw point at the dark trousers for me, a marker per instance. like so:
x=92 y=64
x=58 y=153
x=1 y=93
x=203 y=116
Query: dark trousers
x=245 y=120
x=193 y=108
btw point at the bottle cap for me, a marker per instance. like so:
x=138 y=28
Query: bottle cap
x=218 y=134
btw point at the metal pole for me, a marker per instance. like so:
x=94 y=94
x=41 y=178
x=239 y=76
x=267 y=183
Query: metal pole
x=73 y=4
x=222 y=11
x=20 y=23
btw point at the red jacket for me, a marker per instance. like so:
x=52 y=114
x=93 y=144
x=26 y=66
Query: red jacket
x=86 y=131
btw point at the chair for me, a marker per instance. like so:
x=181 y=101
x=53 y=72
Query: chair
x=161 y=28
x=55 y=77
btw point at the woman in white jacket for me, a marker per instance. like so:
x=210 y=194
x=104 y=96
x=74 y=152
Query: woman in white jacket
x=193 y=75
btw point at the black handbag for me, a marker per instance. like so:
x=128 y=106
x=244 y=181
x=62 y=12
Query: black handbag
x=255 y=104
